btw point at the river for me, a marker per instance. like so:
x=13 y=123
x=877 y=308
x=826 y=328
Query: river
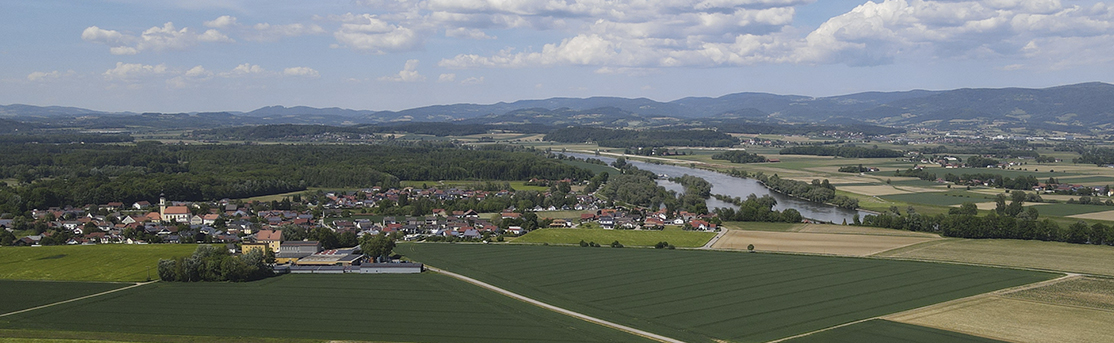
x=739 y=187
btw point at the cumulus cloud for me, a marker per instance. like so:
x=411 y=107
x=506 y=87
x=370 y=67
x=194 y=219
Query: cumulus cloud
x=132 y=71
x=467 y=33
x=222 y=22
x=369 y=33
x=446 y=77
x=409 y=73
x=300 y=71
x=269 y=32
x=157 y=38
x=245 y=69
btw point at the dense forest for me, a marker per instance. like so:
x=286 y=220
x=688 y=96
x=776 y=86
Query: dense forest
x=848 y=151
x=818 y=191
x=641 y=138
x=1025 y=182
x=78 y=174
x=739 y=156
x=301 y=132
x=1097 y=156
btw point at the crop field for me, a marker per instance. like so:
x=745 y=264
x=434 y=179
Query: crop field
x=1078 y=258
x=626 y=237
x=939 y=199
x=104 y=262
x=17 y=295
x=1104 y=215
x=884 y=331
x=815 y=243
x=700 y=295
x=1064 y=210
x=1066 y=311
x=400 y=308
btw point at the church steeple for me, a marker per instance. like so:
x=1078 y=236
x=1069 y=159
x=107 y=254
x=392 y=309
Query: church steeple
x=162 y=206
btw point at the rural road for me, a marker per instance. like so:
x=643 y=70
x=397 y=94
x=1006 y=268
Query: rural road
x=715 y=239
x=80 y=298
x=577 y=315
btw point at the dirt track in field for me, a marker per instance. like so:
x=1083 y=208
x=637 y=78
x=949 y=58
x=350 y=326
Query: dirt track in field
x=815 y=243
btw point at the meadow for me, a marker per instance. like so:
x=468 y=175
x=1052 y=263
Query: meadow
x=400 y=308
x=884 y=331
x=678 y=238
x=102 y=262
x=701 y=296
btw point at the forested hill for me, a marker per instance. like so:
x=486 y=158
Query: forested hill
x=53 y=175
x=1071 y=108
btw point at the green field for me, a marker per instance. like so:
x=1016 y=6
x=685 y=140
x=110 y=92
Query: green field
x=1065 y=209
x=939 y=198
x=17 y=295
x=104 y=262
x=401 y=308
x=700 y=296
x=884 y=331
x=626 y=237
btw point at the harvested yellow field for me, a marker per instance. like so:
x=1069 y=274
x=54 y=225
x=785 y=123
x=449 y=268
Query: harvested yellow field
x=873 y=190
x=1077 y=258
x=815 y=243
x=859 y=230
x=1104 y=215
x=1063 y=311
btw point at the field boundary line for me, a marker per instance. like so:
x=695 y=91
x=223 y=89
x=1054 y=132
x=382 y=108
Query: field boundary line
x=1068 y=276
x=715 y=239
x=563 y=311
x=78 y=298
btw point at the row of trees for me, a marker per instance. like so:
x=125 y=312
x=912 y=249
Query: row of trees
x=964 y=223
x=849 y=151
x=739 y=156
x=1024 y=182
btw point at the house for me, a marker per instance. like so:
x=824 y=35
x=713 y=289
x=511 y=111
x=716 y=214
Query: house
x=702 y=225
x=516 y=230
x=511 y=215
x=249 y=247
x=273 y=238
x=141 y=205
x=209 y=219
x=607 y=222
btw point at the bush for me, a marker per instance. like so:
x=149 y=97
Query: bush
x=209 y=263
x=616 y=244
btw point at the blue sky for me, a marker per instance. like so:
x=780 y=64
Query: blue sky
x=207 y=55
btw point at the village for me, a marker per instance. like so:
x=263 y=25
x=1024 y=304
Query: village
x=324 y=233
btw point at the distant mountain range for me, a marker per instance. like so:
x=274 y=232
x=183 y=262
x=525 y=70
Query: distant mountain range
x=1073 y=108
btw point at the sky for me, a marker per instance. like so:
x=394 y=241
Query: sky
x=231 y=55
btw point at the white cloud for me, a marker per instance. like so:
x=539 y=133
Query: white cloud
x=157 y=38
x=246 y=69
x=269 y=32
x=467 y=33
x=446 y=77
x=222 y=22
x=409 y=73
x=43 y=76
x=132 y=71
x=300 y=71
x=369 y=33
x=473 y=81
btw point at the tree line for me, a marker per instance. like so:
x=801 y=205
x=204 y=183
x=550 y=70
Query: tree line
x=848 y=151
x=616 y=138
x=739 y=156
x=818 y=190
x=756 y=209
x=209 y=263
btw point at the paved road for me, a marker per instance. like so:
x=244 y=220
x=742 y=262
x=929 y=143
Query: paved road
x=76 y=299
x=715 y=239
x=577 y=315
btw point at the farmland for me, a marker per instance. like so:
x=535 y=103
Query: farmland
x=18 y=295
x=104 y=262
x=700 y=296
x=1079 y=258
x=626 y=237
x=1073 y=310
x=884 y=331
x=814 y=243
x=424 y=307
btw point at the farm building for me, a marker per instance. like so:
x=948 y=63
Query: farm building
x=391 y=268
x=335 y=257
x=291 y=251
